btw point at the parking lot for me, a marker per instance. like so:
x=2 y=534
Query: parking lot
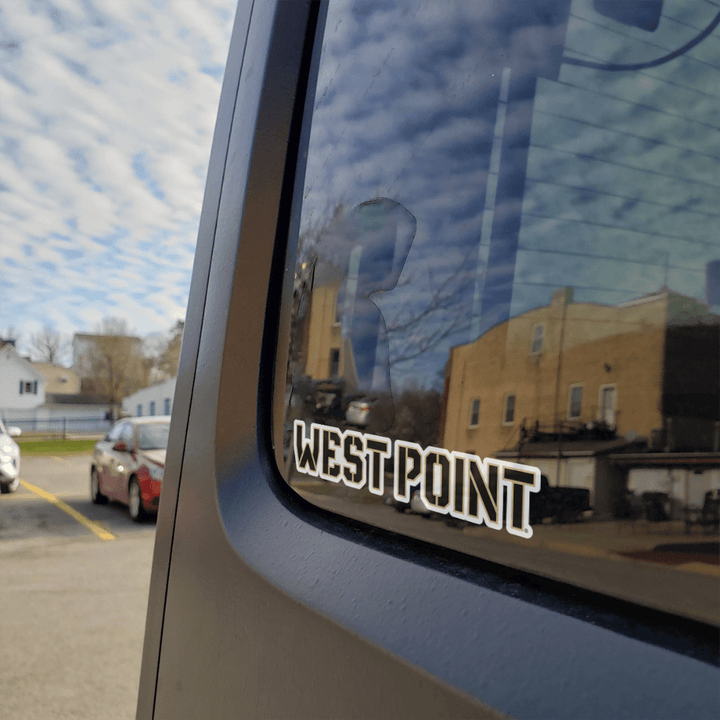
x=73 y=594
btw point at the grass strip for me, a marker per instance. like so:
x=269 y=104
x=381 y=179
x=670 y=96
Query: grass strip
x=55 y=447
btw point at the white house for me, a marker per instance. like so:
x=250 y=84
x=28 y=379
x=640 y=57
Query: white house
x=154 y=400
x=22 y=387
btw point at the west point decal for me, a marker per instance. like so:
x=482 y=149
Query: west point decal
x=450 y=483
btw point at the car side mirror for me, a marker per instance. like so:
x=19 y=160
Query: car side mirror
x=120 y=446
x=14 y=431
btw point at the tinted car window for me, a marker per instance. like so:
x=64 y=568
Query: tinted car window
x=153 y=436
x=510 y=215
x=115 y=432
x=127 y=435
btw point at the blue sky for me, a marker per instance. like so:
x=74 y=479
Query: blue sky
x=107 y=112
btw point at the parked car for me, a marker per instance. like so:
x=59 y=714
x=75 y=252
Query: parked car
x=9 y=459
x=128 y=465
x=359 y=411
x=562 y=504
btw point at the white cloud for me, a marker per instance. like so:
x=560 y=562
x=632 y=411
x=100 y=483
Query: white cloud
x=88 y=90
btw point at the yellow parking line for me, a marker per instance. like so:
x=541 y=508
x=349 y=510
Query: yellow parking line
x=61 y=459
x=89 y=524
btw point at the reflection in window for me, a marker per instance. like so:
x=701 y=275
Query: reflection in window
x=474 y=416
x=509 y=410
x=536 y=346
x=334 y=362
x=575 y=401
x=487 y=206
x=607 y=405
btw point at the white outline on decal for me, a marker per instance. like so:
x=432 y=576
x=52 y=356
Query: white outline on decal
x=354 y=435
x=311 y=445
x=378 y=487
x=526 y=531
x=334 y=466
x=441 y=453
x=465 y=475
x=417 y=469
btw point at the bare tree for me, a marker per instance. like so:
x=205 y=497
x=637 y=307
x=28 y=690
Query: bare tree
x=114 y=363
x=163 y=351
x=48 y=345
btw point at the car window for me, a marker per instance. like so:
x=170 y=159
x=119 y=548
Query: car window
x=115 y=432
x=523 y=233
x=153 y=436
x=127 y=435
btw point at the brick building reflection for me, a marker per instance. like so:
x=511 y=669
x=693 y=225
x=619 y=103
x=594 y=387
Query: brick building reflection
x=605 y=397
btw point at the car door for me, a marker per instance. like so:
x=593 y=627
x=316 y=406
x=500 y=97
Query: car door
x=117 y=463
x=103 y=456
x=125 y=461
x=265 y=602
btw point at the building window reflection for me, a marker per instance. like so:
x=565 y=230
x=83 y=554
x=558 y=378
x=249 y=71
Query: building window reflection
x=509 y=410
x=538 y=333
x=575 y=401
x=334 y=362
x=474 y=414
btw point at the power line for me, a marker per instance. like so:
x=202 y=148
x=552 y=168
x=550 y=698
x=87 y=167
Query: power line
x=572 y=253
x=574 y=287
x=622 y=229
x=658 y=79
x=595 y=191
x=644 y=138
x=688 y=25
x=652 y=63
x=595 y=158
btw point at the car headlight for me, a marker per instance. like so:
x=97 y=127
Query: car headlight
x=156 y=473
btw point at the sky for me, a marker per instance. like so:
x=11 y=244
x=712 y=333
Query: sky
x=610 y=178
x=107 y=112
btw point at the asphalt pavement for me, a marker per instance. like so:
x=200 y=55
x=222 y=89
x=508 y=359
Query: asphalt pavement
x=74 y=581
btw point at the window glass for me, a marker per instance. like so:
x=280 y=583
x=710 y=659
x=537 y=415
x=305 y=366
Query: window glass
x=153 y=436
x=127 y=435
x=575 y=401
x=474 y=413
x=537 y=339
x=509 y=411
x=483 y=177
x=115 y=432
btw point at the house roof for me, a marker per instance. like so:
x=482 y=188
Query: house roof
x=9 y=350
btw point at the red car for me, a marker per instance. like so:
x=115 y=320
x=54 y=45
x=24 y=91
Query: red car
x=128 y=464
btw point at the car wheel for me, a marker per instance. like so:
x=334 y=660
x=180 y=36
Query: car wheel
x=95 y=494
x=8 y=487
x=135 y=503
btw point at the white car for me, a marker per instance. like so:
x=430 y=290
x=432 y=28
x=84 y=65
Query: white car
x=358 y=412
x=9 y=459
